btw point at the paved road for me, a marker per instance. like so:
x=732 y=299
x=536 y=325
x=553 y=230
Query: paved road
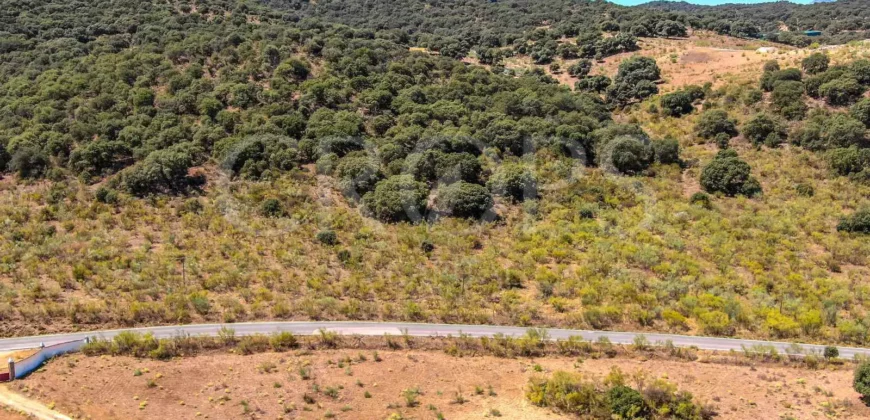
x=417 y=330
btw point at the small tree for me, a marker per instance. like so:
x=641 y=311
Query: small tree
x=858 y=222
x=831 y=352
x=714 y=122
x=842 y=91
x=463 y=199
x=676 y=104
x=670 y=28
x=771 y=66
x=861 y=382
x=861 y=112
x=630 y=155
x=816 y=63
x=29 y=162
x=760 y=127
x=580 y=69
x=514 y=181
x=397 y=198
x=667 y=151
x=729 y=175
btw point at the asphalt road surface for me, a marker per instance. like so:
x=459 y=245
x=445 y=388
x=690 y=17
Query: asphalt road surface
x=418 y=330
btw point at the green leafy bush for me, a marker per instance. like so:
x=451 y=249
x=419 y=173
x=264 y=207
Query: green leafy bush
x=858 y=222
x=714 y=122
x=463 y=199
x=729 y=175
x=397 y=198
x=514 y=181
x=815 y=63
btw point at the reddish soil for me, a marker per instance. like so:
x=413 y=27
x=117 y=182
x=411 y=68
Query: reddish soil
x=269 y=386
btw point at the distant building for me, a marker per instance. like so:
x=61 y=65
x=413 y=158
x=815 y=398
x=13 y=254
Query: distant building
x=813 y=33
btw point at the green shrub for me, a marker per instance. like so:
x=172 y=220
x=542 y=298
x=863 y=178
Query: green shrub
x=770 y=79
x=580 y=69
x=587 y=212
x=272 y=207
x=667 y=151
x=858 y=222
x=847 y=161
x=861 y=112
x=831 y=352
x=29 y=162
x=513 y=181
x=760 y=127
x=771 y=66
x=462 y=199
x=714 y=122
x=283 y=341
x=106 y=195
x=627 y=403
x=397 y=198
x=627 y=154
x=861 y=382
x=841 y=92
x=357 y=174
x=729 y=175
x=676 y=104
x=327 y=237
x=805 y=190
x=815 y=63
x=162 y=171
x=701 y=199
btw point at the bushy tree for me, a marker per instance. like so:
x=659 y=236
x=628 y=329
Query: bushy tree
x=667 y=151
x=813 y=83
x=670 y=28
x=858 y=222
x=100 y=157
x=463 y=199
x=594 y=84
x=815 y=63
x=627 y=154
x=841 y=130
x=514 y=181
x=729 y=175
x=396 y=199
x=761 y=127
x=771 y=66
x=769 y=79
x=861 y=112
x=787 y=99
x=841 y=92
x=634 y=80
x=676 y=104
x=580 y=69
x=357 y=173
x=714 y=122
x=848 y=161
x=861 y=381
x=162 y=171
x=29 y=162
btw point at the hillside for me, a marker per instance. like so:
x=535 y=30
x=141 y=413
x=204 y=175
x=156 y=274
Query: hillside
x=224 y=161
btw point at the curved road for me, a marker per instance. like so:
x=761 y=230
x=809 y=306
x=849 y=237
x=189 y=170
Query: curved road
x=418 y=330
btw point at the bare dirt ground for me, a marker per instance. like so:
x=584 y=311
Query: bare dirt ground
x=272 y=385
x=700 y=58
x=15 y=406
